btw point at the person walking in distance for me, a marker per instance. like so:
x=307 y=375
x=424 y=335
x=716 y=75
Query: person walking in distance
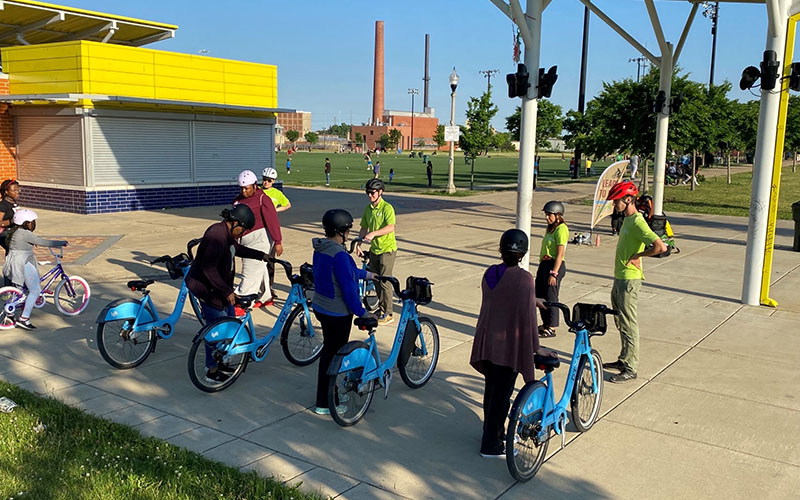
x=634 y=166
x=268 y=177
x=378 y=227
x=376 y=170
x=429 y=172
x=289 y=164
x=552 y=267
x=336 y=297
x=636 y=240
x=327 y=171
x=505 y=337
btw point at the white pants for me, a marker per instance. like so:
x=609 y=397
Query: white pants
x=34 y=288
x=255 y=278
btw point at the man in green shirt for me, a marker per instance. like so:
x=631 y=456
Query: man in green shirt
x=636 y=240
x=281 y=202
x=377 y=226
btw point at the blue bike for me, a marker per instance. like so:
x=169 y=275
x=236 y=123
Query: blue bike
x=357 y=366
x=534 y=413
x=230 y=343
x=128 y=329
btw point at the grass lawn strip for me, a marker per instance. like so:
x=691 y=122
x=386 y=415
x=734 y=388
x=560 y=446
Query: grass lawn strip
x=49 y=450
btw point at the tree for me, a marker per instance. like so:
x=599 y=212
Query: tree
x=359 y=138
x=502 y=141
x=396 y=136
x=438 y=137
x=421 y=143
x=311 y=137
x=792 y=139
x=292 y=136
x=477 y=137
x=338 y=130
x=549 y=123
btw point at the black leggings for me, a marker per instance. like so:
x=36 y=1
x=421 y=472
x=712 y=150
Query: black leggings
x=336 y=332
x=547 y=292
x=496 y=402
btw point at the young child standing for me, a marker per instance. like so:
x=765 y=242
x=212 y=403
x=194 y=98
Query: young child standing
x=21 y=266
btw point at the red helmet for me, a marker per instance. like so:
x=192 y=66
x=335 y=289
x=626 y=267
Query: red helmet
x=622 y=189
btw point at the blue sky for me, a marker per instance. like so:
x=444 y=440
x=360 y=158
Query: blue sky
x=324 y=49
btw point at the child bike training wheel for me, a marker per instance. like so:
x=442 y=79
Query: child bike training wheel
x=120 y=346
x=348 y=396
x=11 y=300
x=416 y=367
x=72 y=296
x=203 y=353
x=585 y=403
x=301 y=337
x=370 y=299
x=525 y=453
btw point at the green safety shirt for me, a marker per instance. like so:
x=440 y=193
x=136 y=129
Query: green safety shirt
x=634 y=236
x=278 y=198
x=552 y=240
x=378 y=217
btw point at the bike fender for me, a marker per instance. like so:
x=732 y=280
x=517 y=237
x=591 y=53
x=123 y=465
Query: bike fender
x=352 y=355
x=222 y=329
x=124 y=308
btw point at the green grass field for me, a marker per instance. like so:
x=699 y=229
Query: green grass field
x=716 y=196
x=350 y=170
x=52 y=451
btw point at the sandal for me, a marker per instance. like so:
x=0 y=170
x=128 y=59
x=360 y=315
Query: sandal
x=546 y=333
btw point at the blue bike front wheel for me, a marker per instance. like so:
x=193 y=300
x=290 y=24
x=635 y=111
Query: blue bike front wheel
x=416 y=365
x=526 y=436
x=585 y=401
x=301 y=337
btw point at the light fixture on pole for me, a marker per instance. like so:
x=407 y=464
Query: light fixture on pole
x=451 y=187
x=413 y=92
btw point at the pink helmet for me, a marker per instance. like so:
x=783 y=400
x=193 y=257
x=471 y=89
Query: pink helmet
x=247 y=178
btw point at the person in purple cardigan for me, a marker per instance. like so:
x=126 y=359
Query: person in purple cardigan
x=506 y=337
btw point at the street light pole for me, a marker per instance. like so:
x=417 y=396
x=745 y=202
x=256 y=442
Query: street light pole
x=451 y=187
x=711 y=11
x=413 y=92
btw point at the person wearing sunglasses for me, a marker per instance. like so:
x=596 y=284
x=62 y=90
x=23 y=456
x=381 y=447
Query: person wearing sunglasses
x=268 y=177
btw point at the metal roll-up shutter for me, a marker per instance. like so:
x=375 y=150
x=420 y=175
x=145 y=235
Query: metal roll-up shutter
x=50 y=149
x=137 y=151
x=222 y=150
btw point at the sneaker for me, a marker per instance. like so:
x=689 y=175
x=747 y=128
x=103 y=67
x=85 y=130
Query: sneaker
x=500 y=456
x=216 y=377
x=616 y=365
x=322 y=411
x=386 y=320
x=268 y=302
x=623 y=377
x=25 y=324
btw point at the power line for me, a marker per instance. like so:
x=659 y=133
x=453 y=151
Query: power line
x=640 y=64
x=489 y=73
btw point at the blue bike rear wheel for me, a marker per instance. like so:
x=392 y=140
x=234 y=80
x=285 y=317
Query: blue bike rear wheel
x=526 y=437
x=204 y=357
x=349 y=396
x=120 y=346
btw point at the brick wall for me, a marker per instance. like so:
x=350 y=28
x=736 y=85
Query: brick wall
x=8 y=156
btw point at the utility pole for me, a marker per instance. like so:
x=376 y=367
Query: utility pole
x=711 y=11
x=489 y=73
x=640 y=62
x=413 y=92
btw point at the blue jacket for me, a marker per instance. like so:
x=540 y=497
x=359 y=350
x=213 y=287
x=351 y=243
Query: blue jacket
x=335 y=280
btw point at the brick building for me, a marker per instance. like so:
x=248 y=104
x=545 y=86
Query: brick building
x=424 y=129
x=299 y=121
x=8 y=152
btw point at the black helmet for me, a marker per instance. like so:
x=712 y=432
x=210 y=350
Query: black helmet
x=514 y=241
x=242 y=214
x=337 y=221
x=375 y=185
x=554 y=207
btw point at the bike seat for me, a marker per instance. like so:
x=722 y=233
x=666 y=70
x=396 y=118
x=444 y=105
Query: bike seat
x=139 y=285
x=546 y=363
x=368 y=323
x=244 y=301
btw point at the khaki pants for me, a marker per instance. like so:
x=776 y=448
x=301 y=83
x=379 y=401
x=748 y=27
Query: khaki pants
x=255 y=278
x=383 y=265
x=625 y=299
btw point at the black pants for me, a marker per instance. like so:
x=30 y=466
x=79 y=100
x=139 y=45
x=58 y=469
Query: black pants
x=496 y=403
x=547 y=292
x=336 y=332
x=616 y=222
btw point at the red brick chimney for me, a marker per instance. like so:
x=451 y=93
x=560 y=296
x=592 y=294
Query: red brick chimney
x=377 y=81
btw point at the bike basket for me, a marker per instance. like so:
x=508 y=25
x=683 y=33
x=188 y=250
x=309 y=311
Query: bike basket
x=591 y=315
x=175 y=265
x=307 y=274
x=420 y=289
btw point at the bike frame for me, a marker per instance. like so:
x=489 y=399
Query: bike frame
x=553 y=414
x=146 y=303
x=50 y=276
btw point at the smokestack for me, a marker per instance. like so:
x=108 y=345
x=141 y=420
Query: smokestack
x=427 y=77
x=377 y=81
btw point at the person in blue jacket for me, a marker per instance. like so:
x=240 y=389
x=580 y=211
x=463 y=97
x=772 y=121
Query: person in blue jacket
x=336 y=297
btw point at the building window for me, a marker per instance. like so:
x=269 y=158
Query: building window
x=371 y=132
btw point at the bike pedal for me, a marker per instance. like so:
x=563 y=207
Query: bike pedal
x=563 y=432
x=261 y=351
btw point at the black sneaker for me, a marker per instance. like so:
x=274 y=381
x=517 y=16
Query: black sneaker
x=25 y=324
x=217 y=376
x=624 y=376
x=616 y=365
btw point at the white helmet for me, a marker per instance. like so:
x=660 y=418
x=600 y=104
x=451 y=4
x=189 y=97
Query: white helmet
x=247 y=178
x=24 y=215
x=270 y=173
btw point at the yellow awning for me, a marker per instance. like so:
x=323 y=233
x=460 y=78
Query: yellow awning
x=27 y=22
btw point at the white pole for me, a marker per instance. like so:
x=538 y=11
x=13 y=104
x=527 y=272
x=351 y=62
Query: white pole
x=527 y=149
x=451 y=187
x=763 y=164
x=662 y=129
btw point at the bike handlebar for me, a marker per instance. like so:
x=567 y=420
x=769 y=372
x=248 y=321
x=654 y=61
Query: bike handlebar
x=564 y=309
x=163 y=258
x=286 y=266
x=192 y=243
x=58 y=255
x=355 y=242
x=393 y=281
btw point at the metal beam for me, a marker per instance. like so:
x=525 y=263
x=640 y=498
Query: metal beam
x=624 y=34
x=520 y=20
x=504 y=8
x=774 y=20
x=685 y=33
x=32 y=26
x=99 y=28
x=109 y=35
x=657 y=30
x=153 y=38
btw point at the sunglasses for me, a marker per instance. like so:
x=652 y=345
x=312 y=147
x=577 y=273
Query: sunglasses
x=266 y=179
x=371 y=192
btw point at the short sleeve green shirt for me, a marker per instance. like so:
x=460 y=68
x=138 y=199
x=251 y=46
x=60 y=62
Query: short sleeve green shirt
x=278 y=198
x=378 y=217
x=634 y=236
x=552 y=241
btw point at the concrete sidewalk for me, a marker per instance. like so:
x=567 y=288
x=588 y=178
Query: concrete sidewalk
x=713 y=413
